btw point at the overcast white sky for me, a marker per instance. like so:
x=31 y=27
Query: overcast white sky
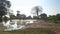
x=50 y=7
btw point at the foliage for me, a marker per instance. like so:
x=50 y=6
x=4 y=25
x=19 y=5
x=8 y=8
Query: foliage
x=12 y=17
x=2 y=11
x=29 y=17
x=18 y=13
x=43 y=16
x=35 y=17
x=4 y=4
x=54 y=18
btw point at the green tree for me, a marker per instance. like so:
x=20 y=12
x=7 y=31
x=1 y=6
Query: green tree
x=43 y=16
x=29 y=17
x=18 y=14
x=4 y=4
x=58 y=16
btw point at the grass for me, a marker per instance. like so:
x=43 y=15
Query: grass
x=29 y=31
x=2 y=27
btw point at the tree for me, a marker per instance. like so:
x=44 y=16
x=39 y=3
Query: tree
x=12 y=17
x=35 y=17
x=58 y=17
x=43 y=16
x=37 y=10
x=22 y=16
x=18 y=13
x=4 y=4
x=29 y=17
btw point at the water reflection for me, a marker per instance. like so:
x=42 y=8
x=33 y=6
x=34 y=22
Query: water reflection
x=16 y=24
x=12 y=25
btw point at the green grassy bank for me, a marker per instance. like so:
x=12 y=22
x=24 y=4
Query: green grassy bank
x=29 y=31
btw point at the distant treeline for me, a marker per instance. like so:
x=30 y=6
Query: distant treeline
x=43 y=16
x=54 y=18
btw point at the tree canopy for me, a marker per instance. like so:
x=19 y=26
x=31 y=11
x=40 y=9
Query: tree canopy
x=4 y=4
x=43 y=16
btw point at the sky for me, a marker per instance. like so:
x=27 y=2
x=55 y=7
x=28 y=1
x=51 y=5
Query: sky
x=50 y=7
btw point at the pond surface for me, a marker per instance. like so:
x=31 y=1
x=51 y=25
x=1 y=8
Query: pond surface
x=16 y=24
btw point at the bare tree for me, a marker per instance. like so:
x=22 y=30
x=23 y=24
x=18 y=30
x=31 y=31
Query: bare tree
x=37 y=10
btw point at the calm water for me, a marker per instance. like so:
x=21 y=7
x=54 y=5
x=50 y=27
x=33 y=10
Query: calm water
x=16 y=24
